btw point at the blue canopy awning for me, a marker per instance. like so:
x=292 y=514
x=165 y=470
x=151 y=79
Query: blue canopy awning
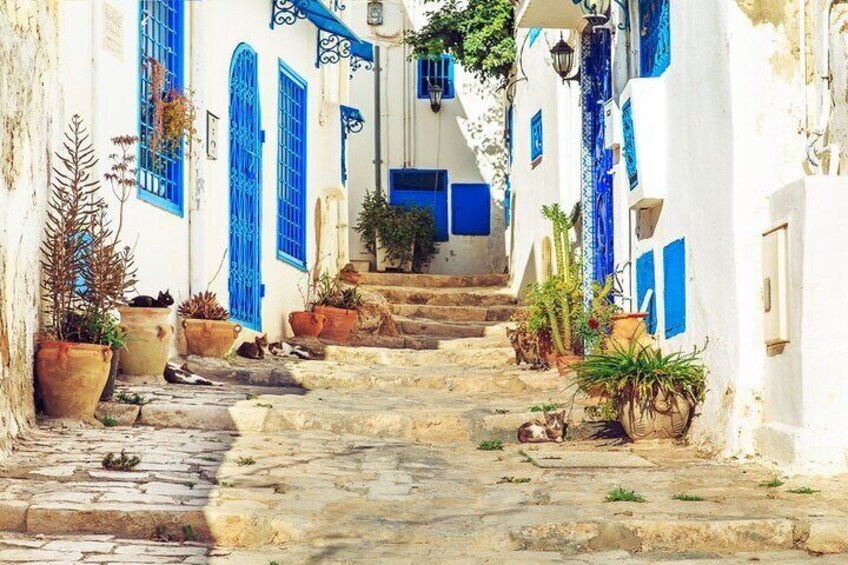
x=363 y=50
x=326 y=20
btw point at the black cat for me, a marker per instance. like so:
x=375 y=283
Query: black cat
x=162 y=301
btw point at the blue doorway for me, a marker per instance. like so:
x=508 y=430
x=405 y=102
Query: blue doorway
x=245 y=283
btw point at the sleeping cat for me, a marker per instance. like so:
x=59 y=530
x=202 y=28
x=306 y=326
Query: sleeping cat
x=283 y=349
x=162 y=301
x=182 y=375
x=536 y=431
x=254 y=350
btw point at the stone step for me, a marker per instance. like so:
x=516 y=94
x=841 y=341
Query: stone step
x=446 y=297
x=433 y=281
x=432 y=328
x=455 y=313
x=448 y=353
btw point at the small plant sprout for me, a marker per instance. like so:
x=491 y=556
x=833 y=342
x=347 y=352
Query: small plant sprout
x=188 y=533
x=495 y=445
x=109 y=421
x=245 y=461
x=802 y=490
x=134 y=398
x=514 y=480
x=545 y=408
x=624 y=495
x=264 y=405
x=251 y=396
x=123 y=462
x=687 y=498
x=774 y=483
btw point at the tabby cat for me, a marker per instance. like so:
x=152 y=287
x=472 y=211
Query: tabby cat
x=254 y=350
x=536 y=431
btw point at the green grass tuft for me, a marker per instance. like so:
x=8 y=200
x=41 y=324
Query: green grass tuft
x=545 y=408
x=496 y=445
x=687 y=498
x=774 y=483
x=109 y=422
x=802 y=490
x=245 y=461
x=134 y=398
x=624 y=495
x=514 y=480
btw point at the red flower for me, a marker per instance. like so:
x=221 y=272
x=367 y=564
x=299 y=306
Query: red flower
x=593 y=324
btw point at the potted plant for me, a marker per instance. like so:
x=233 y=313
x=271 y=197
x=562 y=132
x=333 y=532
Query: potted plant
x=173 y=114
x=654 y=394
x=401 y=238
x=339 y=306
x=307 y=323
x=206 y=326
x=85 y=276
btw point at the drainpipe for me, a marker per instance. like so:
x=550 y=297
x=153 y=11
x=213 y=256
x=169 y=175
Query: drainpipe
x=198 y=280
x=378 y=123
x=815 y=146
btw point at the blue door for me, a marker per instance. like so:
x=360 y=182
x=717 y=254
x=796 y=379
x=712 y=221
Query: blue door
x=245 y=190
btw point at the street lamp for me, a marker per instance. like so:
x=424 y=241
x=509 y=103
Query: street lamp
x=562 y=55
x=595 y=10
x=375 y=13
x=436 y=92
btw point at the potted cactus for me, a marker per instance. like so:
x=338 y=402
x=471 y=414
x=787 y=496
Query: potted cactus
x=206 y=326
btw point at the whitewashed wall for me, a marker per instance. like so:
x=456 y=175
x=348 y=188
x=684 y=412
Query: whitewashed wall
x=465 y=137
x=188 y=254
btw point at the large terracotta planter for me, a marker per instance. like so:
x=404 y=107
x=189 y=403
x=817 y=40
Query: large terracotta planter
x=667 y=417
x=149 y=335
x=565 y=363
x=339 y=323
x=629 y=328
x=307 y=324
x=71 y=377
x=210 y=338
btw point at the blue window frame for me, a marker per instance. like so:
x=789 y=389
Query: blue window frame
x=630 y=159
x=655 y=42
x=471 y=205
x=426 y=188
x=160 y=170
x=646 y=281
x=674 y=287
x=291 y=167
x=534 y=34
x=438 y=71
x=536 y=140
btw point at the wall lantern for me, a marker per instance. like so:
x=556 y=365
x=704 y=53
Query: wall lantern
x=436 y=92
x=562 y=55
x=375 y=12
x=595 y=10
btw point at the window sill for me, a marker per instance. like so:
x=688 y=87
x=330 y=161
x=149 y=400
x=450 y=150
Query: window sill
x=160 y=202
x=291 y=261
x=536 y=162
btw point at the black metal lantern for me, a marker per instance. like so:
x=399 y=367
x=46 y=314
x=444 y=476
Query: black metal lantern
x=375 y=13
x=436 y=92
x=562 y=56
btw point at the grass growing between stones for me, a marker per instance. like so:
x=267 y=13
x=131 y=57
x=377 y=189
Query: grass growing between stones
x=264 y=405
x=545 y=408
x=495 y=445
x=109 y=422
x=774 y=483
x=514 y=480
x=134 y=398
x=802 y=490
x=122 y=462
x=624 y=495
x=687 y=498
x=245 y=461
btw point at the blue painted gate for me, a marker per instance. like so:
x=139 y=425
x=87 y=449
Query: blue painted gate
x=245 y=282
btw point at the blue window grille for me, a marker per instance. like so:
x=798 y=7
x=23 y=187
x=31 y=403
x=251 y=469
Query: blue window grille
x=471 y=206
x=160 y=170
x=646 y=281
x=534 y=34
x=425 y=188
x=291 y=168
x=245 y=280
x=536 y=141
x=674 y=287
x=630 y=159
x=437 y=71
x=655 y=42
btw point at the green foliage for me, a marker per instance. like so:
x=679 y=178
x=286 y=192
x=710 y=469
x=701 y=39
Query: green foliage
x=802 y=490
x=91 y=327
x=687 y=498
x=245 y=461
x=122 y=462
x=545 y=408
x=134 y=398
x=495 y=445
x=109 y=422
x=624 y=495
x=514 y=480
x=603 y=411
x=642 y=372
x=407 y=234
x=329 y=292
x=480 y=34
x=774 y=483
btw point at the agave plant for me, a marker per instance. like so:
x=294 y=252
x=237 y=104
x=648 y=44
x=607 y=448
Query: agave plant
x=203 y=306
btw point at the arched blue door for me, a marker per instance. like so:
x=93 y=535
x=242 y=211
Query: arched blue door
x=245 y=282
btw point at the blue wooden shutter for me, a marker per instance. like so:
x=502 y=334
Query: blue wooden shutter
x=470 y=209
x=674 y=287
x=645 y=281
x=439 y=71
x=291 y=168
x=536 y=139
x=424 y=188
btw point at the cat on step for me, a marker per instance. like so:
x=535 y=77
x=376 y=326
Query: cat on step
x=162 y=301
x=256 y=349
x=283 y=349
x=182 y=375
x=552 y=429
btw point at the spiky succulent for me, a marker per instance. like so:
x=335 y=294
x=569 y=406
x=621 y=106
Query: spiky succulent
x=203 y=306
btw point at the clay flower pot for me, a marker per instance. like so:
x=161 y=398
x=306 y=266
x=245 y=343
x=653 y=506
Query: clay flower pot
x=339 y=323
x=666 y=417
x=565 y=363
x=307 y=324
x=629 y=328
x=210 y=338
x=71 y=377
x=148 y=346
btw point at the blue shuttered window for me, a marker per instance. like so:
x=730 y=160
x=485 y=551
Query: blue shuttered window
x=645 y=282
x=536 y=142
x=470 y=209
x=291 y=168
x=437 y=71
x=655 y=40
x=674 y=287
x=160 y=170
x=424 y=188
x=630 y=159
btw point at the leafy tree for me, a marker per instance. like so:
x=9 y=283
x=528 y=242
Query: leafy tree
x=480 y=34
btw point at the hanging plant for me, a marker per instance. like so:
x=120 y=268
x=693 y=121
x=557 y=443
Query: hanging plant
x=173 y=114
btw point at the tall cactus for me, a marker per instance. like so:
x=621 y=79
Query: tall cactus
x=561 y=328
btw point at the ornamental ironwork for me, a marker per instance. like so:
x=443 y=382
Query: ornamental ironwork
x=629 y=132
x=655 y=37
x=357 y=63
x=339 y=5
x=352 y=119
x=287 y=12
x=332 y=48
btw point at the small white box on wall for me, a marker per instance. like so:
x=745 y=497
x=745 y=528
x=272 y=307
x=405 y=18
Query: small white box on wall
x=775 y=285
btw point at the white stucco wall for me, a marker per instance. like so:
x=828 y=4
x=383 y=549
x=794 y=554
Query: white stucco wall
x=187 y=254
x=465 y=137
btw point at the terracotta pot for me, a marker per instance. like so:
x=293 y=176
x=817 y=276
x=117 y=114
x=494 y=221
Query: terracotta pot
x=149 y=334
x=71 y=377
x=339 y=323
x=667 y=417
x=565 y=363
x=114 y=365
x=210 y=338
x=306 y=324
x=628 y=328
